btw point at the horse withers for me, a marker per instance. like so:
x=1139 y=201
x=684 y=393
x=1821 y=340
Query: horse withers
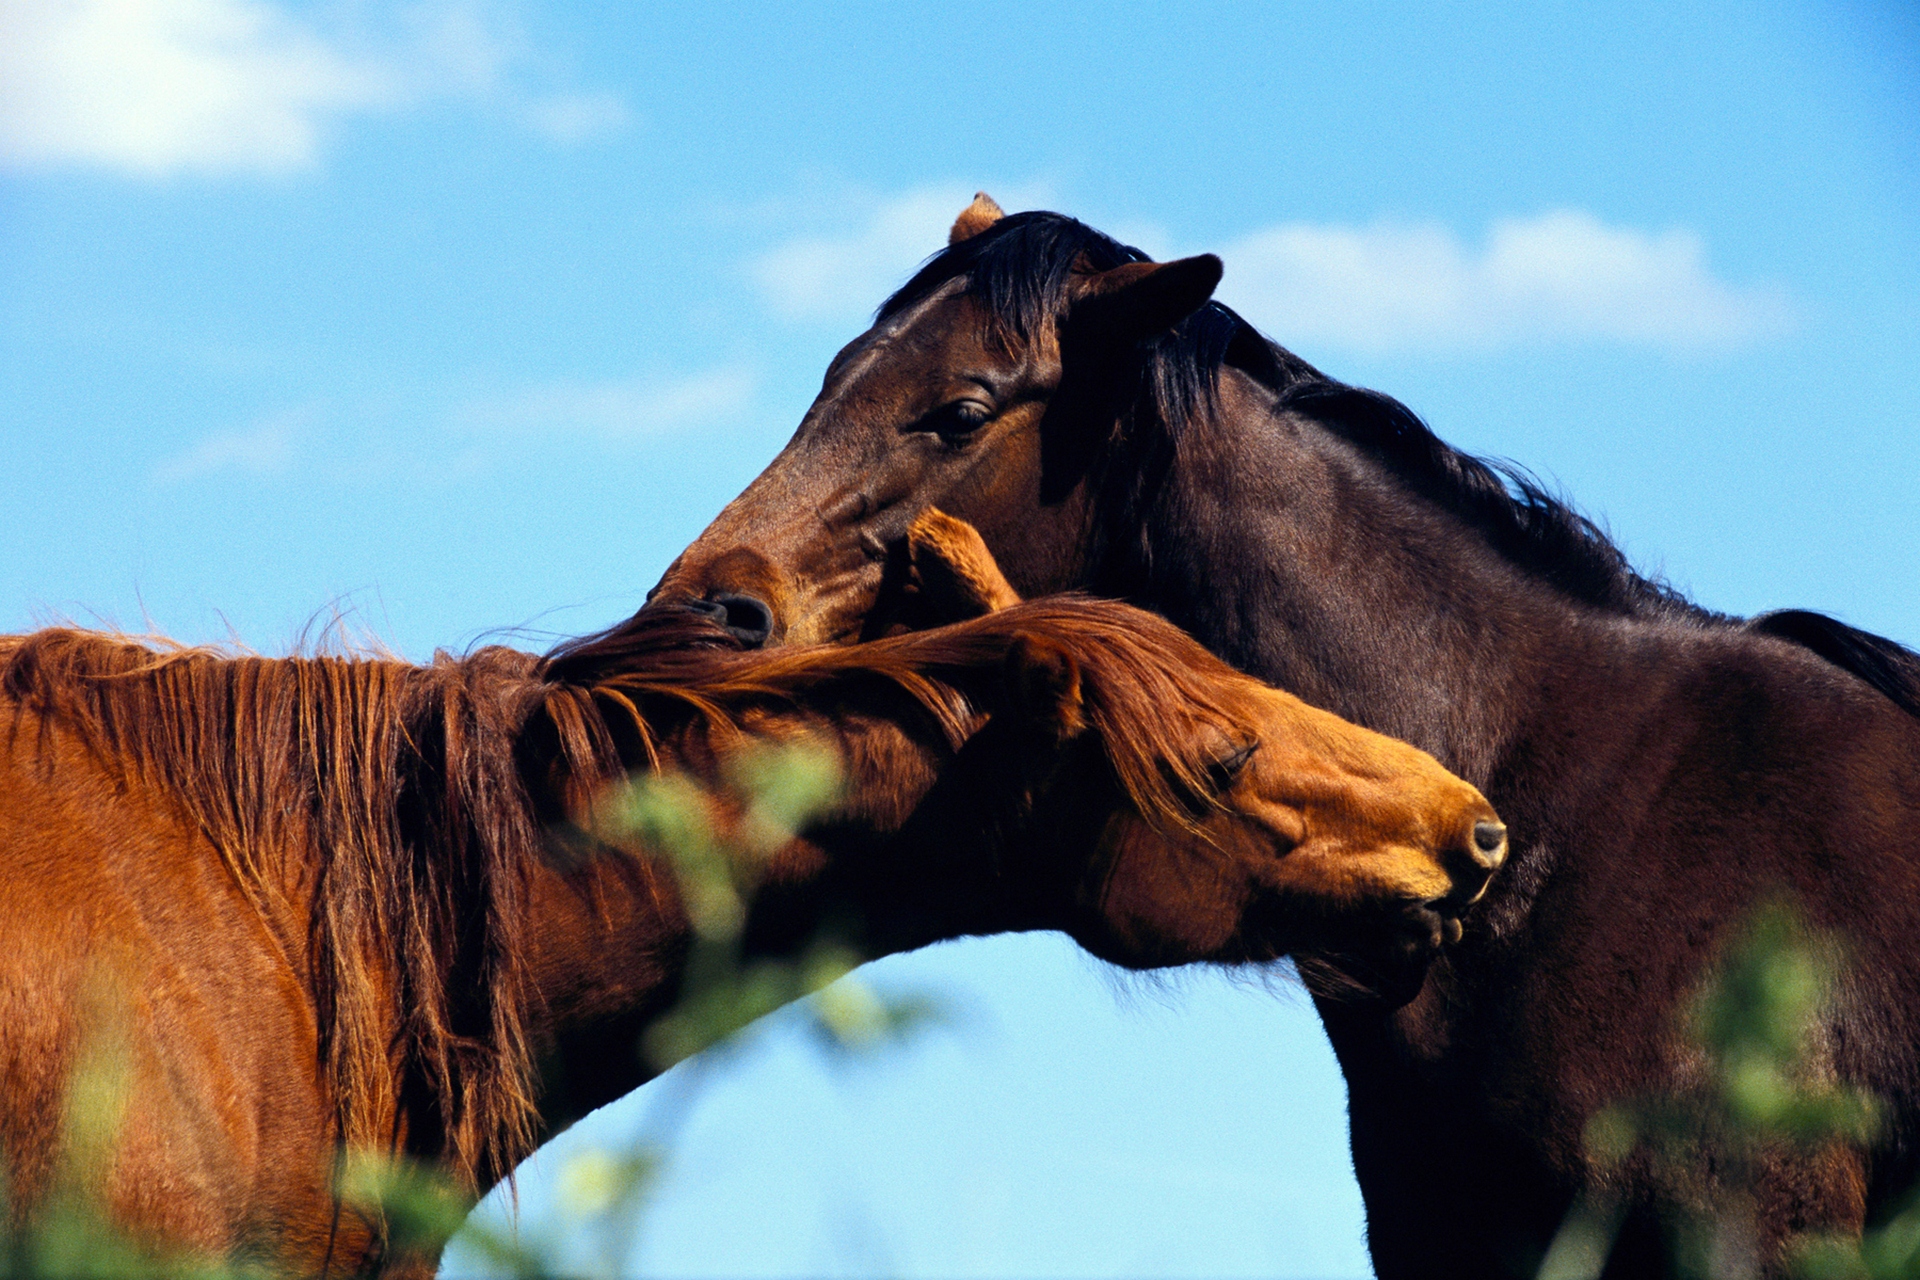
x=304 y=905
x=1109 y=428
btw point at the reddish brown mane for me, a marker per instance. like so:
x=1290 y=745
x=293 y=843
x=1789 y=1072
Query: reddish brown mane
x=1167 y=683
x=401 y=787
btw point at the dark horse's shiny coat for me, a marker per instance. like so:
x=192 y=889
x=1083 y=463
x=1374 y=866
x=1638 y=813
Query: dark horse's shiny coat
x=1661 y=767
x=309 y=902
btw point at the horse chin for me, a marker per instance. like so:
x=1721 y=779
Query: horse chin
x=1386 y=970
x=1385 y=983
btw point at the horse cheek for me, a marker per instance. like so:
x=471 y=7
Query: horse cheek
x=1033 y=536
x=1165 y=899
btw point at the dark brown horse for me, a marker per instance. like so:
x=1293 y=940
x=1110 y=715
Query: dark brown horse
x=1107 y=427
x=320 y=897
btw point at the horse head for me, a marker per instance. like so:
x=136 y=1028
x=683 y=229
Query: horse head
x=984 y=388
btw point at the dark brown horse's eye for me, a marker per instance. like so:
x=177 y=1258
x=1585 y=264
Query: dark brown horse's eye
x=955 y=422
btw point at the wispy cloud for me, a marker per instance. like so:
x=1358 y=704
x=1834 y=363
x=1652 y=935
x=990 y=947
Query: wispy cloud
x=458 y=438
x=154 y=87
x=266 y=448
x=616 y=411
x=1561 y=277
x=572 y=118
x=842 y=275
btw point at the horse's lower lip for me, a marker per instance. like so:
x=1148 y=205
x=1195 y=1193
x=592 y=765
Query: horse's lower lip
x=1434 y=923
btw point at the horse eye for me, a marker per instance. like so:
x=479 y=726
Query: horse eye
x=954 y=422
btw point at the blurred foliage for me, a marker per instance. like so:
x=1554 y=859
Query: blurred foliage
x=718 y=844
x=771 y=791
x=1762 y=1092
x=72 y=1231
x=1891 y=1251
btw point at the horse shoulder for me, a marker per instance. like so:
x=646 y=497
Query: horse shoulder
x=136 y=956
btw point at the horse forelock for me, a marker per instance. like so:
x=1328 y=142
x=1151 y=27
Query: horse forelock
x=354 y=766
x=1019 y=269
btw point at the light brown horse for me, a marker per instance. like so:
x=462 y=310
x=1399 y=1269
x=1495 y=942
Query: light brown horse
x=323 y=891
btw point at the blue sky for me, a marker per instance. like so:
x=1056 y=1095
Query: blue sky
x=463 y=316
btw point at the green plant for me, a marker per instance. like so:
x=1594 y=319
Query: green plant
x=71 y=1233
x=1761 y=1092
x=718 y=846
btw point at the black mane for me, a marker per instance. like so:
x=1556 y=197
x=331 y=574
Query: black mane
x=1511 y=508
x=1891 y=668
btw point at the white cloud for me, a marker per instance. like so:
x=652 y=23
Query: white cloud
x=207 y=84
x=1561 y=277
x=844 y=275
x=153 y=87
x=266 y=448
x=616 y=411
x=571 y=118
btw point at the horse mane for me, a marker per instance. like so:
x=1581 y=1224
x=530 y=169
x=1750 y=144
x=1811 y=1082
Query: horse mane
x=1145 y=681
x=1530 y=527
x=405 y=788
x=1891 y=668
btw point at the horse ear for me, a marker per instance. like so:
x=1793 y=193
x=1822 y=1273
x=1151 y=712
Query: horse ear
x=975 y=218
x=1044 y=680
x=1143 y=300
x=957 y=576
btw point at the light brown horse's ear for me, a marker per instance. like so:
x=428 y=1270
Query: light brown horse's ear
x=975 y=218
x=1045 y=682
x=957 y=576
x=1143 y=300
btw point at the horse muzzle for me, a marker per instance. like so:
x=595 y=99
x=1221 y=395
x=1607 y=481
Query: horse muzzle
x=740 y=590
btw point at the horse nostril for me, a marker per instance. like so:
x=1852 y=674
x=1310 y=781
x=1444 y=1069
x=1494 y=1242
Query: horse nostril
x=750 y=620
x=1490 y=838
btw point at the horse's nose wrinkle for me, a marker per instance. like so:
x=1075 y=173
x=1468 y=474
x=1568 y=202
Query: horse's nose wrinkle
x=844 y=509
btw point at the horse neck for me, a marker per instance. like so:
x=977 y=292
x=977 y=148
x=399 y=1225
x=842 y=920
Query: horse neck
x=902 y=861
x=1287 y=552
x=607 y=945
x=1290 y=554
